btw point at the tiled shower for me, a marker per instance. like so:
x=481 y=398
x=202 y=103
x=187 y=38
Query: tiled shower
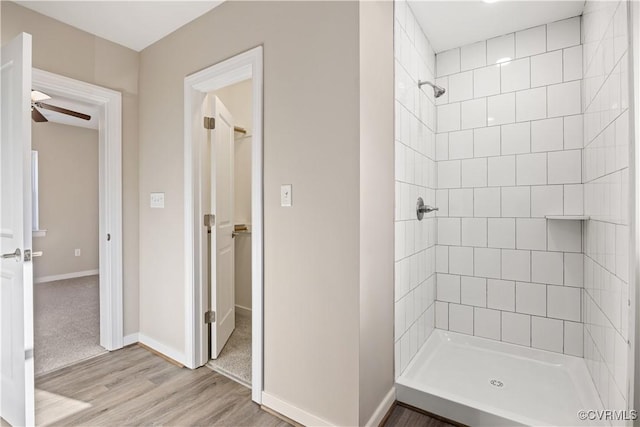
x=526 y=156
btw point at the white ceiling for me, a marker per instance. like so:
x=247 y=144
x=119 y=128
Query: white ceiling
x=449 y=24
x=134 y=24
x=64 y=119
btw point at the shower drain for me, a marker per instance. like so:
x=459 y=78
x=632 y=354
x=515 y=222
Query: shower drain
x=496 y=383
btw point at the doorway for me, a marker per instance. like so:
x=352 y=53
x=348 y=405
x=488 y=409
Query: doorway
x=65 y=216
x=198 y=88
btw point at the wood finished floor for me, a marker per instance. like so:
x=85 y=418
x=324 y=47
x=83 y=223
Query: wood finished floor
x=135 y=387
x=403 y=416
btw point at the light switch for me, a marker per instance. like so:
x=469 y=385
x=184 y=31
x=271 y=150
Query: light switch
x=285 y=195
x=157 y=200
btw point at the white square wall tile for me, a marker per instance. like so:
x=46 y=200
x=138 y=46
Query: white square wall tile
x=573 y=269
x=573 y=131
x=515 y=75
x=547 y=334
x=531 y=41
x=442 y=146
x=486 y=202
x=442 y=315
x=473 y=56
x=500 y=49
x=546 y=200
x=486 y=262
x=573 y=199
x=474 y=231
x=473 y=291
x=531 y=104
x=474 y=172
x=461 y=260
x=531 y=169
x=563 y=33
x=531 y=298
x=546 y=69
x=502 y=171
x=516 y=202
x=547 y=135
x=531 y=234
x=486 y=81
x=448 y=288
x=486 y=142
x=547 y=267
x=474 y=113
x=448 y=117
x=573 y=334
x=516 y=265
x=486 y=323
x=564 y=99
x=449 y=231
x=461 y=145
x=461 y=202
x=448 y=62
x=516 y=138
x=460 y=86
x=442 y=202
x=516 y=328
x=501 y=109
x=461 y=319
x=501 y=294
x=442 y=259
x=565 y=236
x=563 y=302
x=449 y=174
x=572 y=63
x=502 y=233
x=565 y=167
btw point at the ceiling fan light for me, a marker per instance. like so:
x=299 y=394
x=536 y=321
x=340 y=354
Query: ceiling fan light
x=37 y=96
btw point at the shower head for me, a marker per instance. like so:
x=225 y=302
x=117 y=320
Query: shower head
x=437 y=90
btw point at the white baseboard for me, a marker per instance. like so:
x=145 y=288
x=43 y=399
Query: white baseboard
x=130 y=339
x=382 y=409
x=243 y=310
x=45 y=279
x=162 y=349
x=291 y=412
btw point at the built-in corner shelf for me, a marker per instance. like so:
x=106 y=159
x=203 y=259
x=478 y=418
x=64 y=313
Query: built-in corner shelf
x=568 y=217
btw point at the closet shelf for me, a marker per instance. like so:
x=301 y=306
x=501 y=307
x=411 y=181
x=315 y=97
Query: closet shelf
x=568 y=217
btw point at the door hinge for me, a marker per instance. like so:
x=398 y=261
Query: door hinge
x=209 y=122
x=209 y=220
x=210 y=317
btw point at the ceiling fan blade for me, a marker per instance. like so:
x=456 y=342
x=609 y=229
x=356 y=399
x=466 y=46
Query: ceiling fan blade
x=63 y=111
x=37 y=115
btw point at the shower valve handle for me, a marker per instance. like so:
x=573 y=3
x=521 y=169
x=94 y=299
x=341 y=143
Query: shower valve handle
x=421 y=209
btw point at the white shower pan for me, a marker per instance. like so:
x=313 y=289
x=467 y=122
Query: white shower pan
x=480 y=382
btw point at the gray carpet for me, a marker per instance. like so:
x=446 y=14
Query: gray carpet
x=235 y=359
x=66 y=322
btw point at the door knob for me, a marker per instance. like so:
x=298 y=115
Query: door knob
x=17 y=255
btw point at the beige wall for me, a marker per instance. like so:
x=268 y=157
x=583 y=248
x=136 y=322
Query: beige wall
x=311 y=135
x=68 y=198
x=238 y=100
x=376 y=204
x=64 y=50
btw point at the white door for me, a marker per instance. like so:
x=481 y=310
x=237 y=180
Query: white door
x=222 y=247
x=16 y=273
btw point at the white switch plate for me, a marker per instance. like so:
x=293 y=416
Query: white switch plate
x=285 y=195
x=77 y=252
x=157 y=200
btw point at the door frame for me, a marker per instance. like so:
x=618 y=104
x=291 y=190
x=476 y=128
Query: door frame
x=109 y=104
x=247 y=65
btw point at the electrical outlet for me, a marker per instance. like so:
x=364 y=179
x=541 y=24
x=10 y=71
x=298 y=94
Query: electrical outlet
x=78 y=252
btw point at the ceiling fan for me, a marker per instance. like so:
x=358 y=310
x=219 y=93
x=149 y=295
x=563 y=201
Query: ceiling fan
x=36 y=103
